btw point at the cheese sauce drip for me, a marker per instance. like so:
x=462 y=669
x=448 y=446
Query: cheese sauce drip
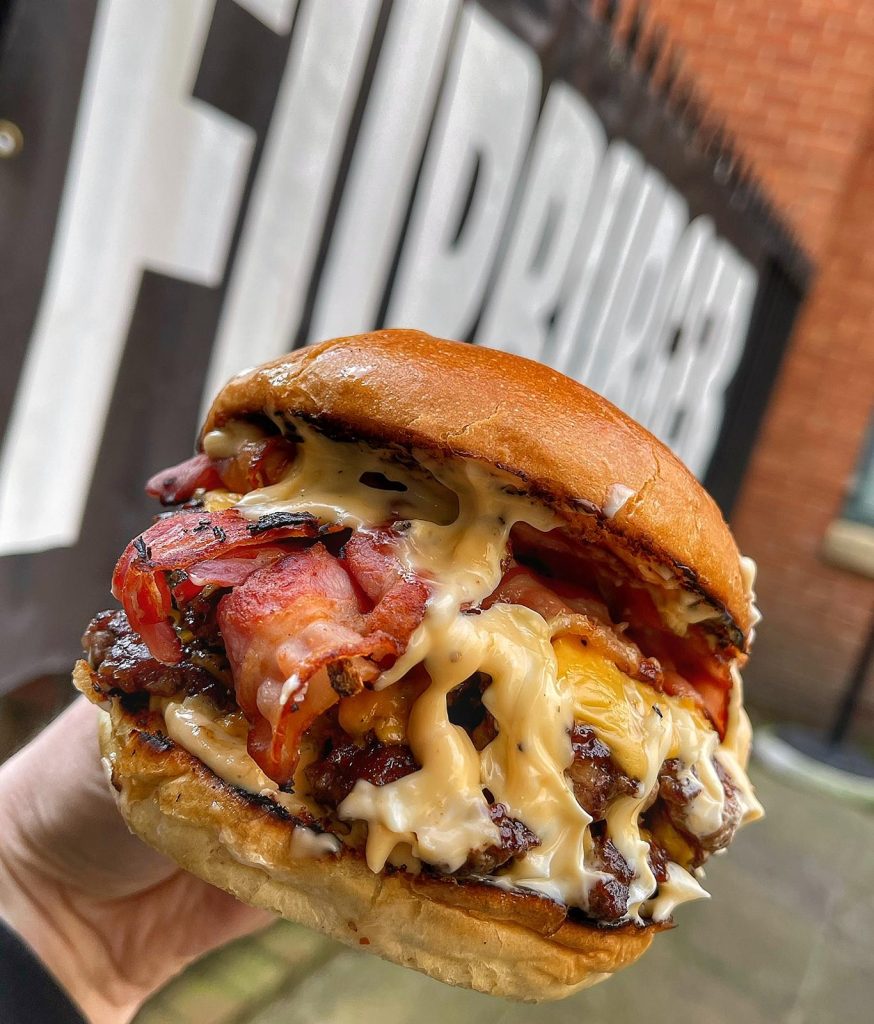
x=219 y=741
x=459 y=516
x=325 y=479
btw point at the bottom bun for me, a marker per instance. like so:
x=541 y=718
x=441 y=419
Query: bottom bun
x=509 y=944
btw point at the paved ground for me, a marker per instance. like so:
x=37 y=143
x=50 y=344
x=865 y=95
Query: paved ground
x=787 y=939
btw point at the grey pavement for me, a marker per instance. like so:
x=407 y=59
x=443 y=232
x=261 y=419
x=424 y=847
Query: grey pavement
x=788 y=938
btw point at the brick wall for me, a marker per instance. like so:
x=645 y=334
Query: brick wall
x=794 y=80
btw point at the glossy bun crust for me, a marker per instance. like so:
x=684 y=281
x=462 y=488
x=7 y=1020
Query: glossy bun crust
x=472 y=935
x=568 y=446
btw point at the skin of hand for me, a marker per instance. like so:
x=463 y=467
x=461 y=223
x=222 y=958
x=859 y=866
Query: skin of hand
x=111 y=918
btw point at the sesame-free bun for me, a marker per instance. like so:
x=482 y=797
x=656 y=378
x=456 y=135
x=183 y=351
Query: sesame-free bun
x=515 y=945
x=566 y=445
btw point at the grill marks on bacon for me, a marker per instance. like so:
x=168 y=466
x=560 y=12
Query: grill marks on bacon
x=199 y=543
x=304 y=620
x=299 y=616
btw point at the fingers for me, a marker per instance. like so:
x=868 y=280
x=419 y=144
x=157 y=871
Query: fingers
x=61 y=813
x=151 y=936
x=214 y=917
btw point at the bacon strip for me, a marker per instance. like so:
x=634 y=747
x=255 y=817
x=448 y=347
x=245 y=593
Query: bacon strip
x=398 y=598
x=256 y=464
x=234 y=570
x=182 y=541
x=178 y=483
x=293 y=622
x=691 y=668
x=546 y=597
x=682 y=666
x=580 y=614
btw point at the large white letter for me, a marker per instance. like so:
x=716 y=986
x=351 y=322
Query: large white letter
x=613 y=204
x=286 y=214
x=728 y=308
x=637 y=301
x=568 y=149
x=641 y=212
x=653 y=401
x=154 y=182
x=484 y=122
x=275 y=14
x=383 y=168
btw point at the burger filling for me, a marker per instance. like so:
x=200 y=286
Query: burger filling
x=417 y=659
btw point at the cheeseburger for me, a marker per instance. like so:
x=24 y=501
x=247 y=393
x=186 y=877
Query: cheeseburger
x=436 y=651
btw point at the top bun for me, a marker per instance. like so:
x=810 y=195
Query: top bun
x=568 y=446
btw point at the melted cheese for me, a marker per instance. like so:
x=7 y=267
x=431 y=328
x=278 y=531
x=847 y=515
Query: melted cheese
x=386 y=713
x=219 y=741
x=219 y=500
x=460 y=515
x=441 y=811
x=643 y=728
x=225 y=443
x=681 y=887
x=324 y=479
x=524 y=766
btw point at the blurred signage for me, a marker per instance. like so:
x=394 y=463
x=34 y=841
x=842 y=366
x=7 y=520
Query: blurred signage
x=201 y=186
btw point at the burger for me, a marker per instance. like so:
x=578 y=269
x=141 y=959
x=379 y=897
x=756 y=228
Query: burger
x=436 y=651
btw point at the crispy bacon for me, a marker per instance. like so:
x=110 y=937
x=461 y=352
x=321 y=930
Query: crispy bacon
x=182 y=541
x=690 y=667
x=292 y=623
x=235 y=570
x=398 y=599
x=178 y=483
x=547 y=597
x=256 y=464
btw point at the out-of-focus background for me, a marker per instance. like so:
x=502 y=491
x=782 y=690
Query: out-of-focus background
x=672 y=202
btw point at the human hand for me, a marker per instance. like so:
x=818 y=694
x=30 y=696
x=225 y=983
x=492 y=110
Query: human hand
x=111 y=918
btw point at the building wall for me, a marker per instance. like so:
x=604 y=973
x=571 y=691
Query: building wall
x=794 y=80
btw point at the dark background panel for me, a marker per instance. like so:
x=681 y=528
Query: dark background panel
x=43 y=52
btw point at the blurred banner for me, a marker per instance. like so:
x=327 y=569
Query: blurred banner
x=193 y=187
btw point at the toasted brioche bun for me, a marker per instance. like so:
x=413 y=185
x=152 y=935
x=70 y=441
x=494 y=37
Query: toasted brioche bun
x=468 y=934
x=568 y=446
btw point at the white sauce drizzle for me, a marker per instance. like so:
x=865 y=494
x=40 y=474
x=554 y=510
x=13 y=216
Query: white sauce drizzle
x=681 y=887
x=219 y=741
x=224 y=443
x=617 y=496
x=460 y=515
x=324 y=480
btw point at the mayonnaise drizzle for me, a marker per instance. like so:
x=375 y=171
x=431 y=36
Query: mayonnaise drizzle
x=324 y=479
x=441 y=810
x=681 y=887
x=460 y=514
x=219 y=741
